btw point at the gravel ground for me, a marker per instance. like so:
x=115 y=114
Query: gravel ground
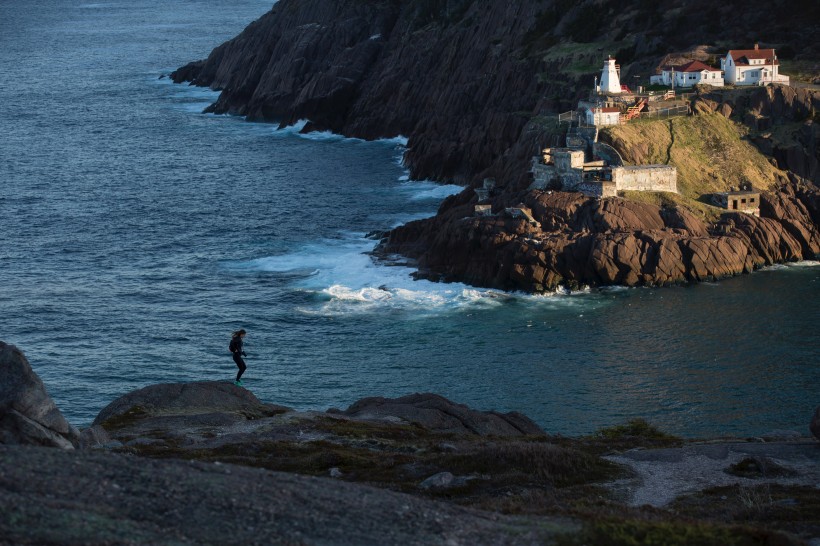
x=663 y=474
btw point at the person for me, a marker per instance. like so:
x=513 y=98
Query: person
x=236 y=348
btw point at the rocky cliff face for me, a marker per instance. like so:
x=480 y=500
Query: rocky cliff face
x=464 y=79
x=586 y=241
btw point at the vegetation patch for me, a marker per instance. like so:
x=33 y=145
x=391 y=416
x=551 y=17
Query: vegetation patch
x=710 y=152
x=791 y=508
x=670 y=533
x=637 y=433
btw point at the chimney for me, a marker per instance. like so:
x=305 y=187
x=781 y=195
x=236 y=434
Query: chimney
x=757 y=46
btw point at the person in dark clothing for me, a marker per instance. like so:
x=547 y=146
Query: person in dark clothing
x=238 y=353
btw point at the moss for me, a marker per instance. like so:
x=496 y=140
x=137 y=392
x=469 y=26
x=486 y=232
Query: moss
x=126 y=419
x=531 y=462
x=665 y=533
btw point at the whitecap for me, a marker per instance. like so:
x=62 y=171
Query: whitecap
x=419 y=190
x=804 y=263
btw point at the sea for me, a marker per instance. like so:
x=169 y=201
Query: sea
x=137 y=232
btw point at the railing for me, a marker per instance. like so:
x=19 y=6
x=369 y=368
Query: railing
x=569 y=117
x=664 y=113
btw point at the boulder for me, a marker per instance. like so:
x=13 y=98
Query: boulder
x=436 y=413
x=205 y=402
x=815 y=423
x=28 y=415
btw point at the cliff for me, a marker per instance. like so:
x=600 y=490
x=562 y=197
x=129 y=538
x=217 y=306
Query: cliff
x=467 y=80
x=476 y=85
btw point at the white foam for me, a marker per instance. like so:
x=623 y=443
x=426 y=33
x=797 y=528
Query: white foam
x=418 y=190
x=345 y=279
x=804 y=263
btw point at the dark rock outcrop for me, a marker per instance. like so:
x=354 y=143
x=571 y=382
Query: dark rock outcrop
x=789 y=110
x=179 y=408
x=815 y=424
x=51 y=497
x=436 y=413
x=586 y=241
x=28 y=415
x=462 y=79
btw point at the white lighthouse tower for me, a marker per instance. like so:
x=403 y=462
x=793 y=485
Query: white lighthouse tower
x=610 y=80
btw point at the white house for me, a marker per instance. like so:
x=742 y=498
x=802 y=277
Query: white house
x=752 y=67
x=688 y=75
x=603 y=116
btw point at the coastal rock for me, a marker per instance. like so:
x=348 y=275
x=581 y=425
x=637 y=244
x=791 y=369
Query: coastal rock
x=436 y=413
x=815 y=424
x=587 y=241
x=179 y=407
x=28 y=415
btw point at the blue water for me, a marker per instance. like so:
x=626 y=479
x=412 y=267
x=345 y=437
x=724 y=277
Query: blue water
x=137 y=233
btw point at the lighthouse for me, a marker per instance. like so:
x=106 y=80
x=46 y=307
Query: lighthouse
x=610 y=80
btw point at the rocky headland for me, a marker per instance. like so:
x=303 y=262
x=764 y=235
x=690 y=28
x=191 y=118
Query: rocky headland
x=209 y=463
x=476 y=87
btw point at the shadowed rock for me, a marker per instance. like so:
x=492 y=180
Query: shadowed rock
x=815 y=424
x=436 y=413
x=28 y=415
x=205 y=401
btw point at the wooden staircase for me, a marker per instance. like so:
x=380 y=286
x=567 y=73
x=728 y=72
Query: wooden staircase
x=633 y=111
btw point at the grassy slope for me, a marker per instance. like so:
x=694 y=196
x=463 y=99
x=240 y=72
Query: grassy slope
x=709 y=151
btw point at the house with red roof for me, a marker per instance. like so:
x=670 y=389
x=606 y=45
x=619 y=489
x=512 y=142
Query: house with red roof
x=752 y=67
x=689 y=75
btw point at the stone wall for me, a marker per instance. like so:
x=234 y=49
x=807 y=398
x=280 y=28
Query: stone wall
x=595 y=188
x=646 y=178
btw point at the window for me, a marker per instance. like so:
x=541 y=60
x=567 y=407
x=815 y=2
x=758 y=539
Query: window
x=751 y=200
x=734 y=204
x=743 y=201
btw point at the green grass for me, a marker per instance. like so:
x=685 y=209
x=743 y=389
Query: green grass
x=709 y=151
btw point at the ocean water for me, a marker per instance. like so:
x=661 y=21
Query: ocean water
x=136 y=233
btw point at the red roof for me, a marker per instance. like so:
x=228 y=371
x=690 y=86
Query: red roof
x=743 y=56
x=691 y=66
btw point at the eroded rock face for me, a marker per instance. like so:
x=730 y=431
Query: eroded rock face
x=28 y=415
x=586 y=241
x=438 y=414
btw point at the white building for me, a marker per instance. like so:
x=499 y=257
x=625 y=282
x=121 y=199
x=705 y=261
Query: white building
x=610 y=78
x=752 y=67
x=688 y=75
x=603 y=116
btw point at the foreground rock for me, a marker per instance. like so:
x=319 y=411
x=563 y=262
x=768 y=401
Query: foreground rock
x=28 y=415
x=51 y=497
x=436 y=413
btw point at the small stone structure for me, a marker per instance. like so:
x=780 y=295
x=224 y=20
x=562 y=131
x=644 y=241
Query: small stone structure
x=646 y=178
x=597 y=178
x=745 y=200
x=486 y=190
x=483 y=210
